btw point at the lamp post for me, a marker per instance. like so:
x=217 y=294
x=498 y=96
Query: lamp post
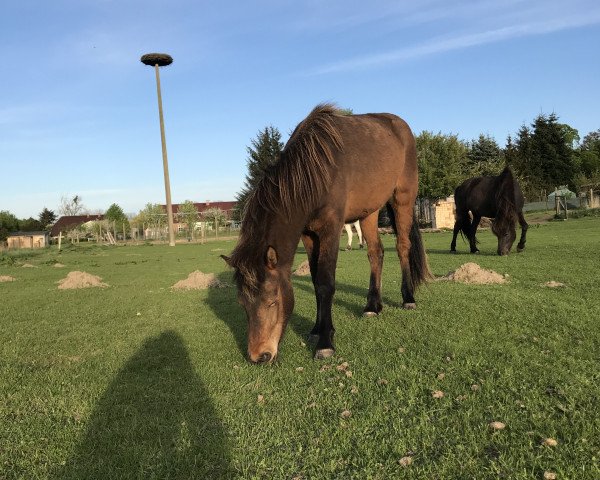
x=162 y=60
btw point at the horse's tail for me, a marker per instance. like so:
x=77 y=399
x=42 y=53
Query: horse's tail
x=417 y=258
x=506 y=210
x=462 y=214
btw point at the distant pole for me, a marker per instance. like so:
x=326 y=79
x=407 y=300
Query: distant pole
x=162 y=60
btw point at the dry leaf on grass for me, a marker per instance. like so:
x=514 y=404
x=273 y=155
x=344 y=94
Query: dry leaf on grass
x=437 y=394
x=346 y=414
x=6 y=278
x=497 y=425
x=549 y=475
x=405 y=461
x=553 y=284
x=441 y=376
x=260 y=399
x=303 y=269
x=550 y=442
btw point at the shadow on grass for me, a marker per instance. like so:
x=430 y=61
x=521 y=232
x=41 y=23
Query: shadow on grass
x=155 y=420
x=355 y=308
x=223 y=302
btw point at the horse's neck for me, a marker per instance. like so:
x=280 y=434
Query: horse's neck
x=283 y=235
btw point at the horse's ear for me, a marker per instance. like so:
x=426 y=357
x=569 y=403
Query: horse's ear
x=271 y=258
x=227 y=260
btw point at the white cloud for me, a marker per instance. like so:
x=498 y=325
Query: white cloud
x=458 y=42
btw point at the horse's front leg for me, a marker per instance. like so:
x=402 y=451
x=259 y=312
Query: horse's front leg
x=524 y=227
x=375 y=254
x=311 y=245
x=324 y=280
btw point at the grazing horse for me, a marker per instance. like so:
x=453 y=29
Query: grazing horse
x=348 y=227
x=335 y=169
x=499 y=198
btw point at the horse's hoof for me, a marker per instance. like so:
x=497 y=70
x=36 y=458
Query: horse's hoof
x=409 y=306
x=324 y=353
x=520 y=249
x=453 y=251
x=313 y=337
x=370 y=314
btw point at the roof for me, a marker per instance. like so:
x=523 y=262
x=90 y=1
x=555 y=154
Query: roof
x=26 y=234
x=562 y=192
x=69 y=222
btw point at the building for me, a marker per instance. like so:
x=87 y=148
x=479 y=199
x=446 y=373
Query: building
x=28 y=240
x=69 y=222
x=201 y=207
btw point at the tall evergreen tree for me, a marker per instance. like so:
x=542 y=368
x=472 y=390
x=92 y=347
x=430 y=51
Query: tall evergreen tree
x=46 y=218
x=484 y=157
x=262 y=154
x=544 y=154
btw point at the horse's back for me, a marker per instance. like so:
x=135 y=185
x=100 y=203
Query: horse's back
x=379 y=154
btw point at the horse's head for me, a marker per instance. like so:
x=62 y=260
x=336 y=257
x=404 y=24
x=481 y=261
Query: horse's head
x=268 y=299
x=506 y=231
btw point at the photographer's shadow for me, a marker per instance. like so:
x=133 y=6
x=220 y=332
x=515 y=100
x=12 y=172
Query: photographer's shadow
x=155 y=420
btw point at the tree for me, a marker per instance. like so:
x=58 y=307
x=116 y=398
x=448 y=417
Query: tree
x=30 y=225
x=216 y=216
x=46 y=218
x=442 y=164
x=544 y=155
x=69 y=207
x=484 y=157
x=117 y=218
x=152 y=217
x=8 y=224
x=263 y=153
x=188 y=214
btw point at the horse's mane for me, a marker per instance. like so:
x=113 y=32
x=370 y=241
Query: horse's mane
x=293 y=185
x=506 y=210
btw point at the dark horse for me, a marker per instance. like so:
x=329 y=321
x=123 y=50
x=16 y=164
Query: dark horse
x=499 y=198
x=334 y=169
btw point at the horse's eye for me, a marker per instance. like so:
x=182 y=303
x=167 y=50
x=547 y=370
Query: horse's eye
x=273 y=303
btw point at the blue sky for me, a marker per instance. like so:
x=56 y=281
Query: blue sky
x=78 y=111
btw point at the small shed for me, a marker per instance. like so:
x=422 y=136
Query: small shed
x=28 y=240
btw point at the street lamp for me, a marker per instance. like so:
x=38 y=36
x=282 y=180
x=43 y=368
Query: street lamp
x=162 y=60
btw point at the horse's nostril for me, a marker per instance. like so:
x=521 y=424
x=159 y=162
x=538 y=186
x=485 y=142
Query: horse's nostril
x=264 y=357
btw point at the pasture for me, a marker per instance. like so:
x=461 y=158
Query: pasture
x=136 y=380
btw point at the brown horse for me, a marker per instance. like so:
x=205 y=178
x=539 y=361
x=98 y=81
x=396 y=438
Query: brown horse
x=334 y=169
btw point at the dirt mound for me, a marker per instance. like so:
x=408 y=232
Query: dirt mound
x=303 y=269
x=58 y=265
x=553 y=284
x=6 y=278
x=473 y=273
x=199 y=281
x=80 y=280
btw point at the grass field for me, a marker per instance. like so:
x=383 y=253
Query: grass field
x=138 y=381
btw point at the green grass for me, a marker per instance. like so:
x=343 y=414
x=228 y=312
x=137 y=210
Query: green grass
x=138 y=381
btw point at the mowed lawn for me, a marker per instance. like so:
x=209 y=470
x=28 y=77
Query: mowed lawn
x=136 y=380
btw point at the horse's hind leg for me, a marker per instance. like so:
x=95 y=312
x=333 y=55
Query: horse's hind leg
x=524 y=227
x=375 y=254
x=473 y=233
x=402 y=205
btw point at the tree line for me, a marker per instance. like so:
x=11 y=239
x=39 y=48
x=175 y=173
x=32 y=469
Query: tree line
x=543 y=155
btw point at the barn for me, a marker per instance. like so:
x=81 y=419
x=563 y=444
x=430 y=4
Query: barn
x=28 y=240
